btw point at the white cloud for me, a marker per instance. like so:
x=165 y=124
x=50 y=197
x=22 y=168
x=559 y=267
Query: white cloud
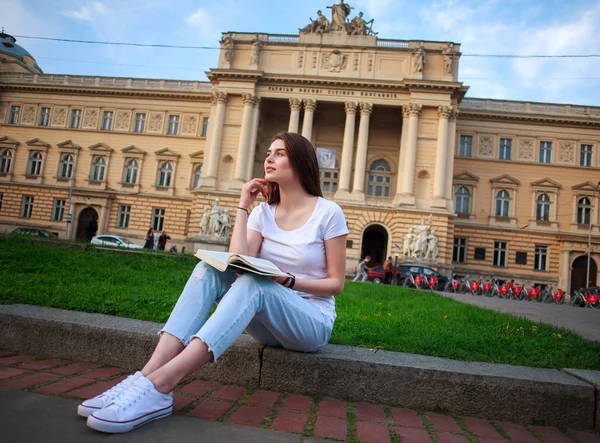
x=88 y=13
x=205 y=24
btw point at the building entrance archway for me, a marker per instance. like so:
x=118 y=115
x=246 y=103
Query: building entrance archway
x=84 y=218
x=579 y=271
x=374 y=243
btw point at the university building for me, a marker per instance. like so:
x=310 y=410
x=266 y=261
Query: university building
x=512 y=186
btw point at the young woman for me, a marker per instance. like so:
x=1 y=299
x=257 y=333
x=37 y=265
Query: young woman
x=299 y=231
x=149 y=239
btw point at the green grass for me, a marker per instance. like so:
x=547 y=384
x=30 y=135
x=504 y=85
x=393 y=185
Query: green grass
x=146 y=286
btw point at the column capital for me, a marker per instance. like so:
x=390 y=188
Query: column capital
x=405 y=112
x=350 y=107
x=310 y=104
x=219 y=97
x=295 y=104
x=249 y=99
x=414 y=109
x=444 y=111
x=366 y=108
x=454 y=113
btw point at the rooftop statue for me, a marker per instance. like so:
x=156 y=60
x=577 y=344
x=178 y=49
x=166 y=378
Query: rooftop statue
x=339 y=22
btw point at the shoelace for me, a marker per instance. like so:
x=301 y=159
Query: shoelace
x=131 y=396
x=117 y=389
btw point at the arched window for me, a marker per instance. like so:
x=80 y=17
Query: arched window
x=584 y=211
x=463 y=200
x=197 y=173
x=542 y=211
x=164 y=176
x=380 y=177
x=5 y=160
x=131 y=170
x=66 y=166
x=502 y=203
x=35 y=163
x=98 y=169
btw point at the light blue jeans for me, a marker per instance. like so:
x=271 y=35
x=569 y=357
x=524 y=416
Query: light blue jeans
x=269 y=312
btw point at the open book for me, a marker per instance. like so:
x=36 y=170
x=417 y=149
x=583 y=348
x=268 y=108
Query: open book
x=221 y=260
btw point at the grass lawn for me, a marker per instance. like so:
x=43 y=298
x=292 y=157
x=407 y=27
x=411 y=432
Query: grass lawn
x=146 y=286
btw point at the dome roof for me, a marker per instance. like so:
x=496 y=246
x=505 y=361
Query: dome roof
x=9 y=46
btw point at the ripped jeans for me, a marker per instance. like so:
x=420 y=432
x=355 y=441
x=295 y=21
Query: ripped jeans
x=269 y=312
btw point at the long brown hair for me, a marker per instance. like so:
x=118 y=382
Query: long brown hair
x=303 y=159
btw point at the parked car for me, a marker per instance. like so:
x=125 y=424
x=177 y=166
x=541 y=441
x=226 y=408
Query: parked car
x=114 y=240
x=35 y=232
x=376 y=274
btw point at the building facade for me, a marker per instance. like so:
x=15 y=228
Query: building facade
x=512 y=187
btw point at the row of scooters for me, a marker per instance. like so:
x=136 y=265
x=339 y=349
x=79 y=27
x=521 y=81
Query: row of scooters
x=584 y=297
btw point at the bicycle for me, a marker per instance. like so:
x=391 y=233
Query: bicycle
x=410 y=280
x=452 y=284
x=586 y=299
x=549 y=296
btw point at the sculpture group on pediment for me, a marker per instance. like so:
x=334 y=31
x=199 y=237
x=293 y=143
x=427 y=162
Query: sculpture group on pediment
x=339 y=22
x=215 y=222
x=421 y=241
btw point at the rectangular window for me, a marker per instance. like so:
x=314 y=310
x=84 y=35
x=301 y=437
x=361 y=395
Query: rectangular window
x=545 y=152
x=499 y=254
x=459 y=250
x=124 y=212
x=75 y=118
x=465 y=146
x=541 y=258
x=44 y=116
x=27 y=206
x=107 y=121
x=59 y=210
x=585 y=158
x=173 y=128
x=13 y=119
x=158 y=218
x=329 y=180
x=140 y=122
x=204 y=127
x=505 y=148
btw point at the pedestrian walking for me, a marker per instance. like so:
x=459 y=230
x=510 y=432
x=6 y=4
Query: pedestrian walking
x=361 y=270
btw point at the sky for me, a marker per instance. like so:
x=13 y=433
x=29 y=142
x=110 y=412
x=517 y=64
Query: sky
x=517 y=27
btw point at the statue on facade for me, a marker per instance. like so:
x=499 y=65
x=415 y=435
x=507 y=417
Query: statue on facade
x=358 y=26
x=419 y=58
x=421 y=241
x=257 y=45
x=432 y=247
x=215 y=221
x=449 y=54
x=228 y=42
x=407 y=245
x=318 y=26
x=339 y=12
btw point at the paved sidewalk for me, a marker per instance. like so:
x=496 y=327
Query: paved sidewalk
x=584 y=321
x=38 y=400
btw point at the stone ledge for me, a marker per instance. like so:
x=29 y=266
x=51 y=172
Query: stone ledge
x=493 y=391
x=593 y=378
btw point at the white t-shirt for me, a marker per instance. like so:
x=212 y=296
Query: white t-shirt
x=301 y=251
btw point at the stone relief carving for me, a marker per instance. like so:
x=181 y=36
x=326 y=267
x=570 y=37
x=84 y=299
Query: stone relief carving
x=450 y=55
x=257 y=45
x=315 y=58
x=335 y=61
x=566 y=152
x=227 y=42
x=59 y=116
x=122 y=120
x=29 y=112
x=421 y=241
x=2 y=112
x=525 y=149
x=300 y=60
x=419 y=58
x=355 y=62
x=190 y=124
x=156 y=122
x=370 y=63
x=485 y=146
x=90 y=118
x=215 y=222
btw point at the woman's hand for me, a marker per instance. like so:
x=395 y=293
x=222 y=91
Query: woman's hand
x=251 y=190
x=280 y=280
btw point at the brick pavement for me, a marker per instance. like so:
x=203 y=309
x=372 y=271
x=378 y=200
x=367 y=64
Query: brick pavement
x=311 y=417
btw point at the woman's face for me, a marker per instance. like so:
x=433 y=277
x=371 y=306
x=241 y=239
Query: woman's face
x=278 y=168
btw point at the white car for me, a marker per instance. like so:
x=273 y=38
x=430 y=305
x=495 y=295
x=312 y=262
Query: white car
x=114 y=240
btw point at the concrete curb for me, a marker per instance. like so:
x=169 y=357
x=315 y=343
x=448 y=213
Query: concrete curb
x=492 y=391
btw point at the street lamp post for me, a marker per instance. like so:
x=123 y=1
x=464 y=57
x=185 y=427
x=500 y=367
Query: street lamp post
x=589 y=252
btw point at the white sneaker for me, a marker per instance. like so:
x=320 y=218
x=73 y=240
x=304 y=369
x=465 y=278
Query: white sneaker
x=139 y=405
x=106 y=398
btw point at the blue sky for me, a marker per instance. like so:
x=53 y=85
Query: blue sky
x=547 y=27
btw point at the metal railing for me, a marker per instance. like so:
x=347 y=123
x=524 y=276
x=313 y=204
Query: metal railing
x=529 y=107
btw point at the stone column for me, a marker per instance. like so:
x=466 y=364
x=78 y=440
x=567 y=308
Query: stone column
x=406 y=197
x=564 y=277
x=347 y=148
x=309 y=112
x=401 y=157
x=254 y=135
x=214 y=144
x=358 y=187
x=243 y=153
x=450 y=160
x=441 y=157
x=295 y=106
